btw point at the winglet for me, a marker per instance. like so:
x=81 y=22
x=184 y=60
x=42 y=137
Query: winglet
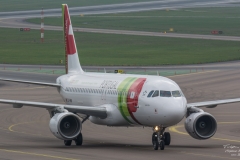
x=72 y=63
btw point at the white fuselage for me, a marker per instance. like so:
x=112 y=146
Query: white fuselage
x=126 y=98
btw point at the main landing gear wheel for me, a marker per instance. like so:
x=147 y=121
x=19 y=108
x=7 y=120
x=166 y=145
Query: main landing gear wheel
x=67 y=142
x=167 y=138
x=79 y=140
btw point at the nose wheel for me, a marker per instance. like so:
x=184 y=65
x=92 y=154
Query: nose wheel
x=160 y=138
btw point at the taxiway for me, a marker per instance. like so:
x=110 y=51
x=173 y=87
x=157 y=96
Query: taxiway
x=25 y=133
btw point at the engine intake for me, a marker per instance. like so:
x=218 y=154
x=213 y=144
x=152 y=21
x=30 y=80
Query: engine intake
x=201 y=125
x=65 y=126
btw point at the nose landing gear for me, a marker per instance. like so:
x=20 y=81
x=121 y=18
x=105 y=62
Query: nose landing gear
x=160 y=138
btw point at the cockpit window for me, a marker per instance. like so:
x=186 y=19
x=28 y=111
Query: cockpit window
x=182 y=93
x=176 y=94
x=150 y=93
x=156 y=93
x=165 y=94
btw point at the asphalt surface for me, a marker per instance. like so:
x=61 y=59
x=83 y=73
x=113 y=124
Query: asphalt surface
x=17 y=19
x=202 y=67
x=25 y=133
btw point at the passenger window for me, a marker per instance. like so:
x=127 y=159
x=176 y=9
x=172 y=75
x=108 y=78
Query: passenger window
x=176 y=94
x=165 y=94
x=150 y=94
x=156 y=93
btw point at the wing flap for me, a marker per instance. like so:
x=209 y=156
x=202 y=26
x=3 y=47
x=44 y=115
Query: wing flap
x=212 y=104
x=88 y=110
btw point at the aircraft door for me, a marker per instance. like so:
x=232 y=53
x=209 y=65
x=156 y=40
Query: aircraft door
x=104 y=94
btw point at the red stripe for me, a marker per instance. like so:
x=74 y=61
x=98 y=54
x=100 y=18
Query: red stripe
x=69 y=39
x=136 y=87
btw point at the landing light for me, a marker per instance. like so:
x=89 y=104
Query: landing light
x=156 y=128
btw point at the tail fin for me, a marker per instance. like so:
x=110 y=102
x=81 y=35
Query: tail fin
x=72 y=63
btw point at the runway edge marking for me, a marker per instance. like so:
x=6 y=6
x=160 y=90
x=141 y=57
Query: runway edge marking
x=174 y=129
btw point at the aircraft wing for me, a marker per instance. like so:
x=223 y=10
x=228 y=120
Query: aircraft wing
x=212 y=104
x=88 y=110
x=31 y=82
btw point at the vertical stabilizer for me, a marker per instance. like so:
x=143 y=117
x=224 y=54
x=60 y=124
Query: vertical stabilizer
x=72 y=63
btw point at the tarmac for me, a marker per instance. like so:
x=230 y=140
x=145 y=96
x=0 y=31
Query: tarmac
x=24 y=133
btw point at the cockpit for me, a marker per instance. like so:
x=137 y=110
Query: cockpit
x=162 y=93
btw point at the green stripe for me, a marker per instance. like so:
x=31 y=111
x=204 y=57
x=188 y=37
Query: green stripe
x=122 y=99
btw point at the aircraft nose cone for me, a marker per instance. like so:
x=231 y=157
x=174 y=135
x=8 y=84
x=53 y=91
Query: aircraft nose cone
x=175 y=112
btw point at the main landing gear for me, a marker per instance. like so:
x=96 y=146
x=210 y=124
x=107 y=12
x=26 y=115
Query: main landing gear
x=78 y=141
x=160 y=138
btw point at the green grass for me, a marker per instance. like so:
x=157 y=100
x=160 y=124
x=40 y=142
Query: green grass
x=20 y=5
x=109 y=49
x=192 y=21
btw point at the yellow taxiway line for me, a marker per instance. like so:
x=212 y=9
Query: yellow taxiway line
x=10 y=128
x=175 y=129
x=37 y=154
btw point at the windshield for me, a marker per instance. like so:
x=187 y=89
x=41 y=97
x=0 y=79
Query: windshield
x=150 y=94
x=165 y=94
x=156 y=93
x=176 y=94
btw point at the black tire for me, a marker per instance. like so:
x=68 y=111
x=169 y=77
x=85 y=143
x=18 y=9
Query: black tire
x=153 y=138
x=67 y=142
x=79 y=140
x=167 y=138
x=161 y=145
x=155 y=144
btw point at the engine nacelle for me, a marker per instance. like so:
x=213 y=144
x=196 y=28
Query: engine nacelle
x=201 y=125
x=65 y=126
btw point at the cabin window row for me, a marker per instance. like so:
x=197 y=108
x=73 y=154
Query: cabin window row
x=98 y=91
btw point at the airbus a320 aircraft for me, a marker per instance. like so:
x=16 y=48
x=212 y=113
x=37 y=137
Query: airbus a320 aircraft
x=119 y=100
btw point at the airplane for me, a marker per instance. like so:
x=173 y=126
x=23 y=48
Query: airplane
x=120 y=100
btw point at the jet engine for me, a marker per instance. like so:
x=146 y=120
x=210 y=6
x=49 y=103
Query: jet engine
x=65 y=126
x=201 y=125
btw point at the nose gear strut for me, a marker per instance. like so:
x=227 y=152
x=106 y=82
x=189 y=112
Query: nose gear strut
x=160 y=138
